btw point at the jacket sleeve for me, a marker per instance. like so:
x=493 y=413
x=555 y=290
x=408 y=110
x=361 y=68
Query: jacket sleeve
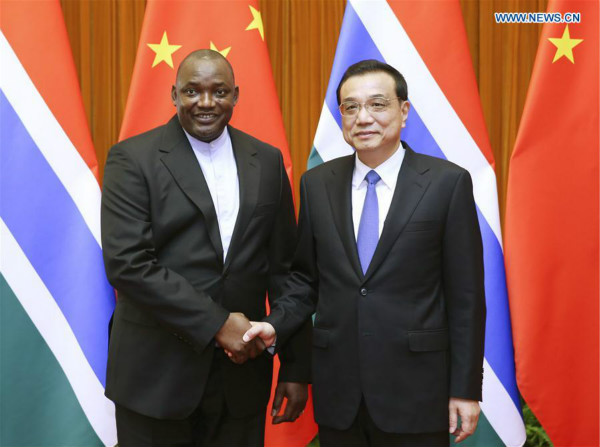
x=294 y=354
x=299 y=298
x=463 y=279
x=131 y=261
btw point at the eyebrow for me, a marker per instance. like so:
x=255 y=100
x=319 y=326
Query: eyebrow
x=376 y=95
x=214 y=84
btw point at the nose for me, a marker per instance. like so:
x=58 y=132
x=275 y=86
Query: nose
x=205 y=100
x=363 y=115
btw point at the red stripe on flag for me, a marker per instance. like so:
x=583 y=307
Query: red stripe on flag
x=429 y=23
x=38 y=36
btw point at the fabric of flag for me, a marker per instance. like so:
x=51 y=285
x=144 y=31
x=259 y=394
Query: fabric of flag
x=429 y=47
x=56 y=302
x=552 y=231
x=172 y=30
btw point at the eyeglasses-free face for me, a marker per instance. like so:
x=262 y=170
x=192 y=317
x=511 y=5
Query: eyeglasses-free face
x=205 y=95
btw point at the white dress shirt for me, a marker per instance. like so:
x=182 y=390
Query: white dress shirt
x=220 y=171
x=388 y=171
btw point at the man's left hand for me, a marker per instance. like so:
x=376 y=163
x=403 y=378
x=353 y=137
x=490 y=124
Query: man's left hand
x=468 y=410
x=296 y=395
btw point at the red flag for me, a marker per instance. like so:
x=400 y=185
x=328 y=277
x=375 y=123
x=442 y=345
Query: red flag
x=172 y=30
x=552 y=230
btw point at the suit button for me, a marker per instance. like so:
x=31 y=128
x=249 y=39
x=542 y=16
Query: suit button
x=363 y=291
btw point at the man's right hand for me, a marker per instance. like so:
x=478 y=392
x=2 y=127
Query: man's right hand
x=229 y=338
x=264 y=332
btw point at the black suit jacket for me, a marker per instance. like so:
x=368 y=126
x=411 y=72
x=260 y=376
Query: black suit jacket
x=163 y=254
x=409 y=333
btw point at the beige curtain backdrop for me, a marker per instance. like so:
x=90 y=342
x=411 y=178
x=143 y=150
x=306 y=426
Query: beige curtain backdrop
x=302 y=36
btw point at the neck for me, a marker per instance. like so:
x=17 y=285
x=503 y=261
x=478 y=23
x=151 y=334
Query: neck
x=374 y=158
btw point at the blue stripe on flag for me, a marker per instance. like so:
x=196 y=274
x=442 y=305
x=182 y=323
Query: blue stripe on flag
x=355 y=44
x=499 y=350
x=50 y=230
x=417 y=135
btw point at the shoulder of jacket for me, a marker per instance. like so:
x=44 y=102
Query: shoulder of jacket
x=260 y=145
x=439 y=165
x=329 y=166
x=141 y=142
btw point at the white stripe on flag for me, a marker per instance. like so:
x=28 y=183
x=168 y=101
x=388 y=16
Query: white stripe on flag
x=500 y=410
x=329 y=141
x=54 y=328
x=50 y=138
x=436 y=112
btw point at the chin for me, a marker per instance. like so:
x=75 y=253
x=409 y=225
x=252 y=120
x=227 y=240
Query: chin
x=365 y=149
x=207 y=135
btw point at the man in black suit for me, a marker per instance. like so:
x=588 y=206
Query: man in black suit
x=197 y=227
x=390 y=258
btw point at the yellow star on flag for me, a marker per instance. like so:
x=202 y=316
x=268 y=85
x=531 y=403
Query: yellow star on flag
x=564 y=45
x=256 y=22
x=223 y=52
x=164 y=51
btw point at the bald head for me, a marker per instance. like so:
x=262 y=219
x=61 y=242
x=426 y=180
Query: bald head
x=206 y=54
x=204 y=94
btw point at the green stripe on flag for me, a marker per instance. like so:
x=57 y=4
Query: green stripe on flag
x=484 y=436
x=314 y=159
x=37 y=404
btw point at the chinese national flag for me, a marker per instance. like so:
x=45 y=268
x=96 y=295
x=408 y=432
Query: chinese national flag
x=172 y=30
x=552 y=231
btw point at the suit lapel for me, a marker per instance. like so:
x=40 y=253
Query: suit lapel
x=248 y=168
x=412 y=183
x=183 y=165
x=339 y=191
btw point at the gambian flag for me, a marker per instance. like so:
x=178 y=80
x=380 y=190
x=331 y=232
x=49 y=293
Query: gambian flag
x=56 y=302
x=171 y=31
x=428 y=46
x=552 y=230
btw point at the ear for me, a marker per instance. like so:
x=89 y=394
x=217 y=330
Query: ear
x=174 y=95
x=236 y=94
x=404 y=108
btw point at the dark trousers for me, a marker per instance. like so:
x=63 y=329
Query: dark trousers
x=210 y=425
x=363 y=432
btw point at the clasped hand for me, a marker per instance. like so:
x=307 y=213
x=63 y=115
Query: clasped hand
x=230 y=336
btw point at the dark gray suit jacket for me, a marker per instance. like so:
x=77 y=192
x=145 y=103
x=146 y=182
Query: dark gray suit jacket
x=163 y=254
x=409 y=333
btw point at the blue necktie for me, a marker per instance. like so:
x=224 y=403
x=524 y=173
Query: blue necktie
x=368 y=229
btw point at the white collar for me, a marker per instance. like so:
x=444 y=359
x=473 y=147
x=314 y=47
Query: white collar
x=388 y=170
x=216 y=144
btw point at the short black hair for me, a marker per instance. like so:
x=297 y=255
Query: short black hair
x=374 y=66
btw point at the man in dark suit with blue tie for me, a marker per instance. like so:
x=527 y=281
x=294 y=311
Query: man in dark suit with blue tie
x=390 y=260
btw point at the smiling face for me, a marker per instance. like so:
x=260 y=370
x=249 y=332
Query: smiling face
x=204 y=94
x=374 y=135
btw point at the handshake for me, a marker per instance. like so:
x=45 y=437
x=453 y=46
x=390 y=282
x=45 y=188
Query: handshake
x=242 y=339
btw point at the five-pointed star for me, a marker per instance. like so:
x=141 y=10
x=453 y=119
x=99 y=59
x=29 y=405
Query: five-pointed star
x=223 y=52
x=256 y=22
x=164 y=51
x=564 y=45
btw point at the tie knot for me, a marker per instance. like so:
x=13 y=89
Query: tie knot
x=372 y=177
